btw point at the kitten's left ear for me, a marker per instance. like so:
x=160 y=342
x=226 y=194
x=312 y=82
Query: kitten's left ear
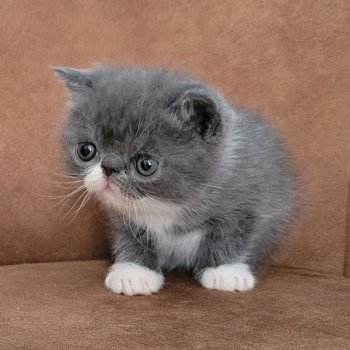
x=201 y=111
x=76 y=80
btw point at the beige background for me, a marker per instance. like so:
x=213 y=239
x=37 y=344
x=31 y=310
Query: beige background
x=287 y=59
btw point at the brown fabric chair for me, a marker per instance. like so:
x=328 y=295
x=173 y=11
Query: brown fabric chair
x=287 y=59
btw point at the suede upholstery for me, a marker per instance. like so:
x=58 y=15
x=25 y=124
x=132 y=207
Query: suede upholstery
x=65 y=306
x=286 y=59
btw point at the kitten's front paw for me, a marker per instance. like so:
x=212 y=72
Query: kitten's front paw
x=229 y=277
x=133 y=279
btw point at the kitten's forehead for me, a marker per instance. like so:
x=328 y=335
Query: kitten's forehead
x=131 y=109
x=129 y=128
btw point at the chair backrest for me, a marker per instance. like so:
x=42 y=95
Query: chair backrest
x=289 y=60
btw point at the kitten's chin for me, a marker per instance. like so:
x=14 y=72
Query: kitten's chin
x=108 y=199
x=114 y=199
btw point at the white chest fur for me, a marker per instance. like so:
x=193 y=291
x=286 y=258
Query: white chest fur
x=159 y=218
x=177 y=250
x=172 y=250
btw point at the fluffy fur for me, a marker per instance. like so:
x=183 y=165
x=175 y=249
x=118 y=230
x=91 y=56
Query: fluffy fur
x=221 y=198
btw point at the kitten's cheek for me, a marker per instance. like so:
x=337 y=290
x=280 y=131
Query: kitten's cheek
x=94 y=181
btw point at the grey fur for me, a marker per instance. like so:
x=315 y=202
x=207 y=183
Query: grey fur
x=223 y=166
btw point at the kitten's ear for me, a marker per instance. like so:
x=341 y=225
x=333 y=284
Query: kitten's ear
x=201 y=111
x=76 y=80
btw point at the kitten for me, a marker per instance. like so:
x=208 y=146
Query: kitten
x=189 y=180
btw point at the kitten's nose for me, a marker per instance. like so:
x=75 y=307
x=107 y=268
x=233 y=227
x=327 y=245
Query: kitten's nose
x=112 y=164
x=108 y=170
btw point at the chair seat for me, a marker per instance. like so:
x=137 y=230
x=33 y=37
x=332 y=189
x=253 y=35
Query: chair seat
x=64 y=305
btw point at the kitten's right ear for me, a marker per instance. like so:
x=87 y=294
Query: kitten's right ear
x=197 y=108
x=76 y=80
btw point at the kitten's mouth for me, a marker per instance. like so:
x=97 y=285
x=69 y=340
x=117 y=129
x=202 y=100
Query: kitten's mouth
x=114 y=190
x=109 y=188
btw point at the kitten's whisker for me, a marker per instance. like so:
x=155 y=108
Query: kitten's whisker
x=185 y=218
x=123 y=215
x=69 y=185
x=63 y=200
x=62 y=177
x=67 y=195
x=137 y=224
x=165 y=225
x=65 y=187
x=61 y=204
x=144 y=213
x=137 y=220
x=134 y=234
x=147 y=220
x=67 y=182
x=129 y=212
x=61 y=173
x=129 y=225
x=82 y=204
x=75 y=203
x=135 y=213
x=131 y=204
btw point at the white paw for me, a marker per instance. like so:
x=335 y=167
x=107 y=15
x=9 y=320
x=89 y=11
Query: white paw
x=133 y=279
x=228 y=278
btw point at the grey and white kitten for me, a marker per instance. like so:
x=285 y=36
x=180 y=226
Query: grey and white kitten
x=190 y=180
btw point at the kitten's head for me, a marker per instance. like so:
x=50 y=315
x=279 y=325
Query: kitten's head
x=134 y=134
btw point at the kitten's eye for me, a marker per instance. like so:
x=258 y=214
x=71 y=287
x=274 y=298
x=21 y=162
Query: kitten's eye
x=146 y=166
x=86 y=151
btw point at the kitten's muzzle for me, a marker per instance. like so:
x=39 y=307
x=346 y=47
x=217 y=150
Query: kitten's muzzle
x=111 y=164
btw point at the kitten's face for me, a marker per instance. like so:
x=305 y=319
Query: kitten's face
x=133 y=135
